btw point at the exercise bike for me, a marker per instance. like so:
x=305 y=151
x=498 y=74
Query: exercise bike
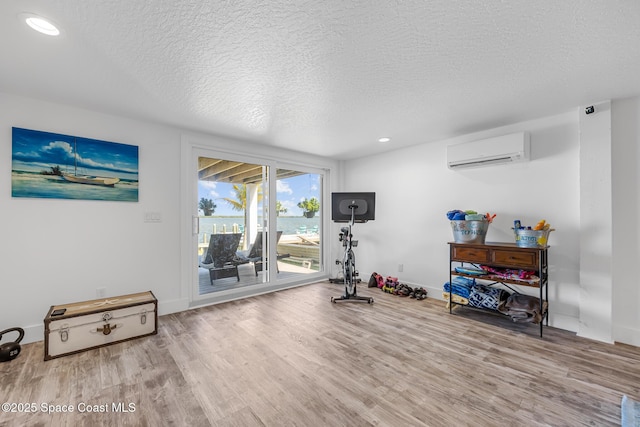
x=349 y=272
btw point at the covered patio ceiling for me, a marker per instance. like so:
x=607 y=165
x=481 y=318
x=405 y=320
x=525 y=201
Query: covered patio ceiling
x=236 y=172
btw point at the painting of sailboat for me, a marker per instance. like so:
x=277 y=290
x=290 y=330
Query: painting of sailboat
x=50 y=165
x=90 y=180
x=87 y=179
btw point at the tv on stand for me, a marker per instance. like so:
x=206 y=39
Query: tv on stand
x=348 y=206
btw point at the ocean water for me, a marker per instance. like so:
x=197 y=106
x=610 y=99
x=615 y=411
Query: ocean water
x=286 y=224
x=29 y=184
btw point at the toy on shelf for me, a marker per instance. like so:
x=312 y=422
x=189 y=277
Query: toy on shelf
x=531 y=237
x=469 y=215
x=469 y=226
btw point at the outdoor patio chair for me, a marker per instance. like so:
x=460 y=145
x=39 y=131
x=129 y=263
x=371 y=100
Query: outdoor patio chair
x=255 y=252
x=220 y=258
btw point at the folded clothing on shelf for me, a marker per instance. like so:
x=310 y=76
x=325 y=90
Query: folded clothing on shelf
x=509 y=273
x=471 y=271
x=460 y=286
x=482 y=296
x=468 y=292
x=456 y=299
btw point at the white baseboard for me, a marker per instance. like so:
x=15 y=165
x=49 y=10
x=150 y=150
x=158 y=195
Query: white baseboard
x=563 y=322
x=33 y=333
x=172 y=306
x=626 y=335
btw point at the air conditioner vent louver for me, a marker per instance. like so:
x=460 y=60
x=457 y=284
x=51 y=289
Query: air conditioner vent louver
x=502 y=149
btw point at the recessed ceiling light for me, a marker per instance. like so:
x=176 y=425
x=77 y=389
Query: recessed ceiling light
x=40 y=24
x=384 y=139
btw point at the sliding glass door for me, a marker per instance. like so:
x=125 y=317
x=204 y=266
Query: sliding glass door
x=257 y=224
x=232 y=224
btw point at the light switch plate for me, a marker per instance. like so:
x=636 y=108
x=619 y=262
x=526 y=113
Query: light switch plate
x=152 y=217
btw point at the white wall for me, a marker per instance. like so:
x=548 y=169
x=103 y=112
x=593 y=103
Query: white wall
x=56 y=251
x=596 y=246
x=415 y=190
x=625 y=135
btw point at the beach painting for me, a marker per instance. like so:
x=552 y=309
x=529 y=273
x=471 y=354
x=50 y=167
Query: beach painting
x=54 y=166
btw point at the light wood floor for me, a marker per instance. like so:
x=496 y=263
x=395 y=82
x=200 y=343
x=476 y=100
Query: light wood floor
x=293 y=358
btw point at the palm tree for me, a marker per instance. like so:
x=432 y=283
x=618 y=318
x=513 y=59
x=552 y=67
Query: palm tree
x=279 y=208
x=55 y=170
x=240 y=202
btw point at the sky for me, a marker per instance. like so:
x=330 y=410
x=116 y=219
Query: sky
x=290 y=192
x=34 y=151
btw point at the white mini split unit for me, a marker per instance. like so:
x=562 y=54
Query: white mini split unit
x=510 y=148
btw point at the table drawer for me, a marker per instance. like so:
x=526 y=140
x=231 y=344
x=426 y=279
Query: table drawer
x=470 y=254
x=527 y=260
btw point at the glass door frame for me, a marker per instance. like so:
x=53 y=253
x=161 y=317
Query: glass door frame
x=191 y=150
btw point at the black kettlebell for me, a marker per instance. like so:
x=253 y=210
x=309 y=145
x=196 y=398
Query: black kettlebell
x=10 y=350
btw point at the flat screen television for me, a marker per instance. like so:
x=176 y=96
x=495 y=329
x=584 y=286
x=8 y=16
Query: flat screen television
x=364 y=203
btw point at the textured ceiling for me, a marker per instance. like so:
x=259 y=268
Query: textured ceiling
x=326 y=77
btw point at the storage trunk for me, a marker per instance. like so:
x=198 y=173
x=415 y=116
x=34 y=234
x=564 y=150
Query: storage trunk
x=80 y=326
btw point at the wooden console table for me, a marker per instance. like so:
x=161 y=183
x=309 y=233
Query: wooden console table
x=504 y=255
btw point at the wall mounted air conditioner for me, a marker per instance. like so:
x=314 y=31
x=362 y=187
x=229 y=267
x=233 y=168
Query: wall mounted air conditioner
x=510 y=148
